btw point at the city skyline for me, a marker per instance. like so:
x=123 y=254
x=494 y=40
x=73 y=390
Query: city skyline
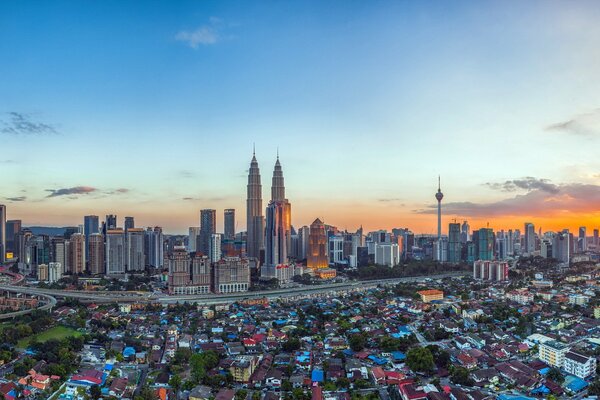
x=501 y=99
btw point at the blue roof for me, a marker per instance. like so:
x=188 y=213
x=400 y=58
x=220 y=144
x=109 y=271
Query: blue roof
x=281 y=321
x=544 y=371
x=398 y=356
x=514 y=397
x=377 y=360
x=128 y=351
x=348 y=352
x=108 y=367
x=575 y=384
x=317 y=376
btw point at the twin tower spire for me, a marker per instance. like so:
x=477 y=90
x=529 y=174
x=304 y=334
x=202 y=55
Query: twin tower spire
x=254 y=209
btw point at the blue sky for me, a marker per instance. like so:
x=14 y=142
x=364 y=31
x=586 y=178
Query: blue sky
x=151 y=103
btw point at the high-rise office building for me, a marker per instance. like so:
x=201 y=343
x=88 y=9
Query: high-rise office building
x=193 y=233
x=90 y=226
x=59 y=253
x=208 y=226
x=129 y=223
x=2 y=233
x=179 y=270
x=454 y=243
x=96 y=254
x=596 y=243
x=154 y=247
x=582 y=240
x=110 y=222
x=115 y=252
x=136 y=259
x=485 y=244
x=13 y=227
x=229 y=227
x=465 y=232
x=529 y=238
x=317 y=246
x=77 y=253
x=254 y=218
x=214 y=250
x=303 y=234
x=561 y=247
x=278 y=230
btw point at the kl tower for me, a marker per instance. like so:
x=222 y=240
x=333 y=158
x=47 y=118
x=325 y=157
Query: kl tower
x=439 y=196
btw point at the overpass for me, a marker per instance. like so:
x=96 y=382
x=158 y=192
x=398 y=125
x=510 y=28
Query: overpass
x=208 y=299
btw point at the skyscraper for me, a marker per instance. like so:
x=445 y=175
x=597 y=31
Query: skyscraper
x=136 y=259
x=111 y=222
x=582 y=240
x=278 y=230
x=485 y=244
x=439 y=196
x=454 y=233
x=316 y=257
x=465 y=232
x=77 y=253
x=254 y=217
x=115 y=252
x=2 y=233
x=90 y=226
x=529 y=238
x=13 y=227
x=129 y=223
x=229 y=218
x=193 y=233
x=208 y=226
x=214 y=250
x=153 y=245
x=96 y=254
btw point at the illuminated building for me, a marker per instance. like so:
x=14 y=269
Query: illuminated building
x=428 y=296
x=254 y=217
x=278 y=231
x=13 y=227
x=316 y=258
x=76 y=253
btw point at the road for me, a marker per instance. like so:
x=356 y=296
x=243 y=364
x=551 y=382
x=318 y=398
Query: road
x=208 y=299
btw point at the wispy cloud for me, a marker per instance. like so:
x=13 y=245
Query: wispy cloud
x=586 y=124
x=567 y=198
x=77 y=190
x=527 y=183
x=18 y=198
x=204 y=35
x=18 y=124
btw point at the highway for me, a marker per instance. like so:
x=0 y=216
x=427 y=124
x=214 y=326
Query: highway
x=208 y=299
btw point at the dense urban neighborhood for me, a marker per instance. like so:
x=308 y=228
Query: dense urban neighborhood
x=535 y=335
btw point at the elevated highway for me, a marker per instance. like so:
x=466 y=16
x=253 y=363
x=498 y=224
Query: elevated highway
x=207 y=299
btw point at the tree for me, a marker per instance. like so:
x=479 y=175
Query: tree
x=292 y=344
x=175 y=383
x=420 y=359
x=357 y=342
x=460 y=376
x=555 y=375
x=95 y=392
x=286 y=386
x=594 y=388
x=241 y=394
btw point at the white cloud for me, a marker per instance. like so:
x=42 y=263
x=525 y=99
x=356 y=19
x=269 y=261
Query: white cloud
x=204 y=35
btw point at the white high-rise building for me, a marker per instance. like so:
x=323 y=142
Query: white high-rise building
x=336 y=249
x=387 y=254
x=115 y=252
x=2 y=233
x=214 y=250
x=154 y=247
x=55 y=272
x=136 y=259
x=194 y=231
x=529 y=239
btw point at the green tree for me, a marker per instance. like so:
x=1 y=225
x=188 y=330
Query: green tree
x=95 y=392
x=241 y=394
x=357 y=342
x=555 y=375
x=460 y=376
x=420 y=359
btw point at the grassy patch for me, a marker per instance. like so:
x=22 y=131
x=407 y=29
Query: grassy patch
x=58 y=332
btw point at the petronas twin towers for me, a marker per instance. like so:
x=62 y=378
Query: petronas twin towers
x=275 y=237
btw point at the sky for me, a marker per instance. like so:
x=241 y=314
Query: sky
x=152 y=109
